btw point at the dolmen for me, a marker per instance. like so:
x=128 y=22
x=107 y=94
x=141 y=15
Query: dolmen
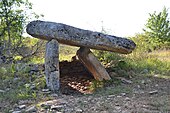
x=56 y=33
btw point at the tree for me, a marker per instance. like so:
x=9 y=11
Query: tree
x=13 y=19
x=158 y=28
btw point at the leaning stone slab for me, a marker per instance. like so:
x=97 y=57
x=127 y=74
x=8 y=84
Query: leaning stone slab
x=92 y=64
x=78 y=37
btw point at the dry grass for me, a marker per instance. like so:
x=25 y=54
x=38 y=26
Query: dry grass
x=163 y=55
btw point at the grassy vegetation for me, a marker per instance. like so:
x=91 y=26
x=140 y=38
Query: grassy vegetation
x=67 y=52
x=16 y=86
x=144 y=60
x=150 y=58
x=23 y=86
x=149 y=62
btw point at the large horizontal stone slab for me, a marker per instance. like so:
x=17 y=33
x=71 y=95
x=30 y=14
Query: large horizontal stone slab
x=69 y=35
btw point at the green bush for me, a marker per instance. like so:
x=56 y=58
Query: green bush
x=106 y=57
x=157 y=30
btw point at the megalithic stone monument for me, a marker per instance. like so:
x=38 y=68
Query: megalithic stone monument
x=84 y=39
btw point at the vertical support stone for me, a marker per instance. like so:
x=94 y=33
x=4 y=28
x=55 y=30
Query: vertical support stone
x=52 y=65
x=92 y=64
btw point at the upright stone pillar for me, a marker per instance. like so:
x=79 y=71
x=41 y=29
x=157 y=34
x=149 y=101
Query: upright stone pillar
x=52 y=65
x=92 y=64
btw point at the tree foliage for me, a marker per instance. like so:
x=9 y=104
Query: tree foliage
x=158 y=28
x=14 y=14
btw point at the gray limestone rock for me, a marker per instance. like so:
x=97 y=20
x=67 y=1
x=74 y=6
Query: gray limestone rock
x=92 y=64
x=52 y=65
x=78 y=37
x=31 y=109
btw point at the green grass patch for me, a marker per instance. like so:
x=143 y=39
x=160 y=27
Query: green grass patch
x=138 y=62
x=149 y=63
x=19 y=85
x=67 y=52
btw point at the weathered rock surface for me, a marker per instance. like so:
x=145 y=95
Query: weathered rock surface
x=78 y=37
x=92 y=64
x=31 y=109
x=52 y=65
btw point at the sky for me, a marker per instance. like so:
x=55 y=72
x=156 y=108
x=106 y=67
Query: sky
x=118 y=17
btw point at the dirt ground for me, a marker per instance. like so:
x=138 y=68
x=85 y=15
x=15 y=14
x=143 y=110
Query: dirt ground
x=143 y=94
x=140 y=94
